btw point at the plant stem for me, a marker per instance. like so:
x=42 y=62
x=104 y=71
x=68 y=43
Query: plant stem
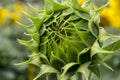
x=79 y=76
x=65 y=77
x=90 y=75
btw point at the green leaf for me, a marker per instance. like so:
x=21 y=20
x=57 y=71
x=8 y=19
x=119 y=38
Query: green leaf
x=57 y=15
x=87 y=38
x=77 y=76
x=35 y=36
x=48 y=24
x=82 y=14
x=83 y=69
x=77 y=6
x=49 y=50
x=29 y=28
x=64 y=77
x=44 y=59
x=44 y=41
x=98 y=60
x=48 y=6
x=82 y=25
x=34 y=59
x=84 y=57
x=88 y=4
x=85 y=50
x=45 y=69
x=56 y=62
x=95 y=17
x=51 y=76
x=52 y=6
x=72 y=46
x=58 y=51
x=95 y=69
x=67 y=12
x=111 y=41
x=114 y=46
x=103 y=35
x=30 y=44
x=73 y=17
x=42 y=30
x=37 y=21
x=104 y=38
x=48 y=16
x=58 y=7
x=96 y=49
x=69 y=68
x=93 y=28
x=72 y=52
x=23 y=63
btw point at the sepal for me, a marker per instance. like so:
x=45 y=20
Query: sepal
x=76 y=5
x=95 y=69
x=45 y=69
x=30 y=44
x=88 y=5
x=52 y=6
x=35 y=36
x=69 y=68
x=96 y=49
x=34 y=59
x=29 y=28
x=106 y=39
x=98 y=60
x=83 y=69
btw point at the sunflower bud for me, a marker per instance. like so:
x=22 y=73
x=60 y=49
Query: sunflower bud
x=66 y=39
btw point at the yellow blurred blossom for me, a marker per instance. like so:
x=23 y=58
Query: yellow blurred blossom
x=115 y=4
x=3 y=15
x=18 y=6
x=16 y=14
x=15 y=17
x=81 y=1
x=111 y=15
x=13 y=14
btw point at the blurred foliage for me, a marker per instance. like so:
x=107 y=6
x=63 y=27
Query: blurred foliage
x=10 y=51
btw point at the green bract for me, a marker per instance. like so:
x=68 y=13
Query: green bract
x=66 y=39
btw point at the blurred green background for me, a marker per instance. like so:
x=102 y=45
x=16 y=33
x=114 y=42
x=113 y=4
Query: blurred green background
x=11 y=52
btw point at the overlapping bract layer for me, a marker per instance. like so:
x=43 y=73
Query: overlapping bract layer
x=66 y=39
